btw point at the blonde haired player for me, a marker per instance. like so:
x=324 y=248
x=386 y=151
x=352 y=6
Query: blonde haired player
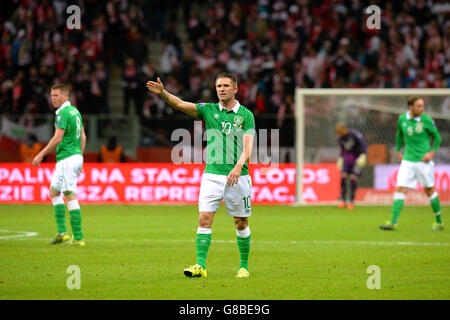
x=414 y=129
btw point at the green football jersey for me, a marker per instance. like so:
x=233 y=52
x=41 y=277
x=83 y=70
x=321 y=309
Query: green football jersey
x=415 y=133
x=68 y=118
x=225 y=131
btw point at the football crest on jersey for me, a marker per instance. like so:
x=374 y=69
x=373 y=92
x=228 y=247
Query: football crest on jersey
x=238 y=119
x=58 y=118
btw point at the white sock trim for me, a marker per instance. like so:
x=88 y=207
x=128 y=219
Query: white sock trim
x=73 y=205
x=201 y=230
x=434 y=195
x=399 y=196
x=243 y=233
x=57 y=200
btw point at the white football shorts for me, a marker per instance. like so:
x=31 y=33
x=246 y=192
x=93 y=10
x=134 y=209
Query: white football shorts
x=66 y=174
x=237 y=198
x=411 y=172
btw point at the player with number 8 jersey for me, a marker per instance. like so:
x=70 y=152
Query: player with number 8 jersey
x=68 y=118
x=69 y=140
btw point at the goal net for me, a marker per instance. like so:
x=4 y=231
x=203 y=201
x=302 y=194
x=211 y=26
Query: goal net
x=373 y=112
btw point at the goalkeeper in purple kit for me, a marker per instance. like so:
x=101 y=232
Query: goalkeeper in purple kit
x=350 y=162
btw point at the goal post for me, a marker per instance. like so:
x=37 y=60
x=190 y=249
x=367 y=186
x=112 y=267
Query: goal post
x=374 y=112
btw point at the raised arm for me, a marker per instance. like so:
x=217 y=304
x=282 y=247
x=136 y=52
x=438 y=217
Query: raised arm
x=175 y=102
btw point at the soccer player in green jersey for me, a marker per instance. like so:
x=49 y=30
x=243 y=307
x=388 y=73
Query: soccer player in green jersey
x=414 y=129
x=230 y=130
x=69 y=140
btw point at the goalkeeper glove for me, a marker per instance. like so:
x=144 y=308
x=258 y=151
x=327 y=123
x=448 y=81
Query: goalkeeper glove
x=362 y=160
x=340 y=163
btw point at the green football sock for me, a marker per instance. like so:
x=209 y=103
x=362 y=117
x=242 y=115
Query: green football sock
x=244 y=250
x=60 y=217
x=75 y=222
x=397 y=206
x=75 y=219
x=436 y=206
x=203 y=243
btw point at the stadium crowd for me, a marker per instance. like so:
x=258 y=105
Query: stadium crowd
x=38 y=50
x=271 y=45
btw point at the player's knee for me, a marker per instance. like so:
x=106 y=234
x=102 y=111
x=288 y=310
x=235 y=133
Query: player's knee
x=70 y=196
x=429 y=191
x=205 y=219
x=53 y=193
x=241 y=223
x=400 y=189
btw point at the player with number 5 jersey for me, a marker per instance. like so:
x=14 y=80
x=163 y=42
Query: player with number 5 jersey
x=414 y=130
x=230 y=130
x=69 y=141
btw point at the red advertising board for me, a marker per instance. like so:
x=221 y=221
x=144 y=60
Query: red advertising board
x=158 y=183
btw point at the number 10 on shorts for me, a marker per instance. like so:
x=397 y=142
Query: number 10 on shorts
x=247 y=202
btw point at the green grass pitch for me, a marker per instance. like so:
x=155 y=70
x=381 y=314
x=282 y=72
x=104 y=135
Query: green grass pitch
x=139 y=252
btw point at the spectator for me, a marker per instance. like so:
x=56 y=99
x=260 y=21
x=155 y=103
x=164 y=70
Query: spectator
x=169 y=58
x=239 y=65
x=131 y=83
x=29 y=149
x=111 y=152
x=101 y=76
x=137 y=46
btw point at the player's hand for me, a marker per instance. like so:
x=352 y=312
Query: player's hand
x=155 y=87
x=81 y=171
x=361 y=161
x=340 y=163
x=37 y=160
x=428 y=156
x=399 y=156
x=233 y=176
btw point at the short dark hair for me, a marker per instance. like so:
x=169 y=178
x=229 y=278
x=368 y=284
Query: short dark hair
x=227 y=75
x=412 y=100
x=62 y=87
